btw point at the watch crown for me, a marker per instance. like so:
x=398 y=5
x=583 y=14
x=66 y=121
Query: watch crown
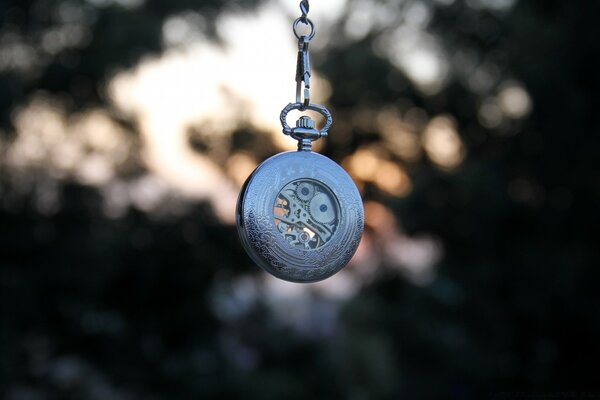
x=305 y=122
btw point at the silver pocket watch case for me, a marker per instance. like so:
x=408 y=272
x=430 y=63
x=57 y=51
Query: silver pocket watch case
x=300 y=216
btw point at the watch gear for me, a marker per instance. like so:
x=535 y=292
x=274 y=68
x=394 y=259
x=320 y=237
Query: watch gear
x=305 y=191
x=322 y=209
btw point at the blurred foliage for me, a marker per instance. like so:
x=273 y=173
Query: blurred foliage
x=96 y=307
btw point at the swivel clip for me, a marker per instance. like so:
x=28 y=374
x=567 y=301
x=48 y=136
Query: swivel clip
x=303 y=73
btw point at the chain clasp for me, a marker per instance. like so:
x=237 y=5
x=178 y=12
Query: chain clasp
x=303 y=73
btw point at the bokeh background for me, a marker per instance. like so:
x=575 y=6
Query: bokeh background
x=128 y=126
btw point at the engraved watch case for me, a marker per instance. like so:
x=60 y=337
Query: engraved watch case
x=300 y=216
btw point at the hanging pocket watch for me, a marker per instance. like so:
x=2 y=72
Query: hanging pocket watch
x=299 y=215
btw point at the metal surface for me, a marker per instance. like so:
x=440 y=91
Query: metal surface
x=314 y=107
x=303 y=72
x=330 y=208
x=304 y=8
x=309 y=23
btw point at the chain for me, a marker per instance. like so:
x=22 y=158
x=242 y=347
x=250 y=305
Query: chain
x=305 y=131
x=304 y=8
x=303 y=66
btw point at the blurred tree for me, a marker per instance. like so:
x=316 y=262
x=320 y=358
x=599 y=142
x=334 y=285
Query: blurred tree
x=512 y=305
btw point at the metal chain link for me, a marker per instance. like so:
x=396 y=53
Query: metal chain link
x=304 y=8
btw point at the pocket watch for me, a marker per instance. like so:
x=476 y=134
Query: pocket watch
x=299 y=214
